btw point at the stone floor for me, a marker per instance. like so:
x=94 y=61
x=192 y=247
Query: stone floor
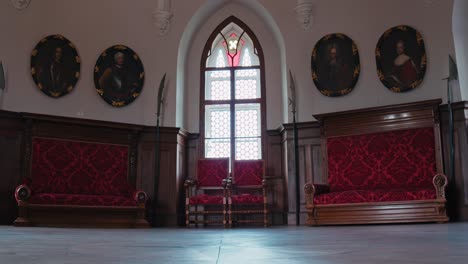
x=431 y=243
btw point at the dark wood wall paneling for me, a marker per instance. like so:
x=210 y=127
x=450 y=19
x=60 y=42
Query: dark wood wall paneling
x=458 y=190
x=11 y=128
x=170 y=209
x=310 y=164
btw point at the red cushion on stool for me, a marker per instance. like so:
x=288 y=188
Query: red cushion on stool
x=206 y=199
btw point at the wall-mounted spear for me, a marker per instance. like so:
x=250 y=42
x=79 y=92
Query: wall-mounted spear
x=292 y=103
x=157 y=166
x=453 y=76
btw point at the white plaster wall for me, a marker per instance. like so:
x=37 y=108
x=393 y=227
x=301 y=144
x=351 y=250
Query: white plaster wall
x=95 y=25
x=364 y=21
x=92 y=26
x=460 y=29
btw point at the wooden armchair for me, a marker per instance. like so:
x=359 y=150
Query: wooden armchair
x=247 y=192
x=206 y=195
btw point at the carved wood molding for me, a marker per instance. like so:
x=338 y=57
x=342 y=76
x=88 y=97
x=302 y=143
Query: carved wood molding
x=381 y=119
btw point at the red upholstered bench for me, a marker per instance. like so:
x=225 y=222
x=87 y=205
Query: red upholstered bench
x=380 y=177
x=79 y=183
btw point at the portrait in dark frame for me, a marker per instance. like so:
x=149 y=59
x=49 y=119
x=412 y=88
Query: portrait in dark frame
x=55 y=66
x=119 y=75
x=335 y=65
x=401 y=59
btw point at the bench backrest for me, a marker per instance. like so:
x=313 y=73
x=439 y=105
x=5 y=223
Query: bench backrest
x=73 y=167
x=388 y=160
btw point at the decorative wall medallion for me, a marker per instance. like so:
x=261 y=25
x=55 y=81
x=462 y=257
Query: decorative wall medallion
x=304 y=10
x=401 y=59
x=119 y=75
x=55 y=65
x=335 y=65
x=20 y=4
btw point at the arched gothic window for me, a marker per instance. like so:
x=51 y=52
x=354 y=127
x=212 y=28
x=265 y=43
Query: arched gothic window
x=232 y=93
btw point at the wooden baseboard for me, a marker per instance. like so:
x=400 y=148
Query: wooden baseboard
x=378 y=213
x=81 y=216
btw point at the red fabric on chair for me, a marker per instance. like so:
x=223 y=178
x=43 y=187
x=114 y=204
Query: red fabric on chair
x=248 y=172
x=79 y=199
x=367 y=196
x=72 y=167
x=388 y=160
x=247 y=199
x=212 y=172
x=204 y=199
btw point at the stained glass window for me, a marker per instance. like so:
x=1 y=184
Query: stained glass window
x=233 y=104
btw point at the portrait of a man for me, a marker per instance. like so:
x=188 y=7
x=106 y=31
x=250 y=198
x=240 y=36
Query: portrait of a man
x=54 y=74
x=55 y=66
x=116 y=77
x=401 y=59
x=335 y=65
x=119 y=76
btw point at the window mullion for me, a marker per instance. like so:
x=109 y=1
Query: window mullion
x=233 y=115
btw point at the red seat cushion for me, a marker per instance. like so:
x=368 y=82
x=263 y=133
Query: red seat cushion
x=206 y=199
x=247 y=199
x=79 y=199
x=367 y=196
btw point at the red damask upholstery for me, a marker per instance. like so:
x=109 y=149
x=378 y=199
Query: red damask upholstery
x=205 y=199
x=248 y=172
x=79 y=199
x=367 y=196
x=403 y=159
x=71 y=167
x=212 y=172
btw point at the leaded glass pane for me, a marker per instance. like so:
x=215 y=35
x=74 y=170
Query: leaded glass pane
x=248 y=120
x=247 y=84
x=217 y=148
x=246 y=59
x=218 y=85
x=248 y=148
x=218 y=121
x=220 y=59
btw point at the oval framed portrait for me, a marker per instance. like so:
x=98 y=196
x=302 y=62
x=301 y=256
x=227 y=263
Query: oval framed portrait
x=55 y=66
x=119 y=75
x=401 y=59
x=335 y=65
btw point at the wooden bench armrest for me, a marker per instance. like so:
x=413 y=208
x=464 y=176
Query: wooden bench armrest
x=140 y=197
x=22 y=193
x=440 y=183
x=311 y=190
x=190 y=182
